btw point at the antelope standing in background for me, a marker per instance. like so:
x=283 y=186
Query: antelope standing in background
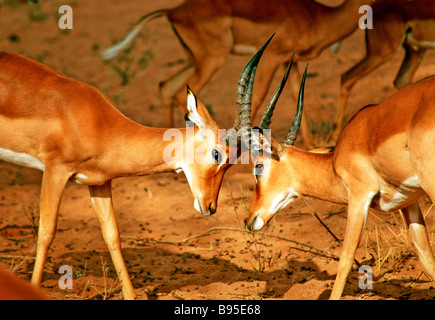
x=384 y=159
x=395 y=23
x=210 y=30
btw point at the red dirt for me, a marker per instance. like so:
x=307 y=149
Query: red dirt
x=156 y=212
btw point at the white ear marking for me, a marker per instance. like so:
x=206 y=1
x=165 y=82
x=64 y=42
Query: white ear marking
x=191 y=100
x=192 y=111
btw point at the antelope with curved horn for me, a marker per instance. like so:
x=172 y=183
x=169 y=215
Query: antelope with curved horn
x=383 y=159
x=72 y=131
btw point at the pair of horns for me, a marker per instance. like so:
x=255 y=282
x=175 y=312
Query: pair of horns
x=244 y=95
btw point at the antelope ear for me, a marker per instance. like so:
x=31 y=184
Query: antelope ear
x=197 y=112
x=276 y=149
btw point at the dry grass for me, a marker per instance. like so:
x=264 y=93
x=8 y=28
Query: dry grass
x=388 y=242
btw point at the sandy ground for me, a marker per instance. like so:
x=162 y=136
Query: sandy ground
x=172 y=251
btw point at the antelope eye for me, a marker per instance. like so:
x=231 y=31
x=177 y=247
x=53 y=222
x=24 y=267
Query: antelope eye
x=258 y=169
x=216 y=156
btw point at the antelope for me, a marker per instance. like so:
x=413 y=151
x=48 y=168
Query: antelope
x=407 y=23
x=13 y=288
x=209 y=31
x=383 y=159
x=72 y=132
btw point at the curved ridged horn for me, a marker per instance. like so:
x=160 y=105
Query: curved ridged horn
x=293 y=132
x=244 y=90
x=267 y=115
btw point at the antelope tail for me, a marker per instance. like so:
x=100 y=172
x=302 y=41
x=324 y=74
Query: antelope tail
x=112 y=52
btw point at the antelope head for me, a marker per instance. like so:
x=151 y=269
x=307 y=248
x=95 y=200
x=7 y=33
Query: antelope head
x=210 y=149
x=274 y=165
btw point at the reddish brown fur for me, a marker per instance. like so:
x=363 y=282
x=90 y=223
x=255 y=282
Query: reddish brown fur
x=13 y=288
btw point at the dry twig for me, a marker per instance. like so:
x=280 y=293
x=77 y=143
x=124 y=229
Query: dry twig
x=315 y=250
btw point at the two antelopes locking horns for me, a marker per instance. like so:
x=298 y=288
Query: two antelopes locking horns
x=383 y=157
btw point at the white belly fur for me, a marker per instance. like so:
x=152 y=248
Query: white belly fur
x=21 y=159
x=406 y=191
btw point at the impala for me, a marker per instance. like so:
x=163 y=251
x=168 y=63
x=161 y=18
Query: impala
x=72 y=131
x=383 y=159
x=14 y=288
x=396 y=22
x=210 y=30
